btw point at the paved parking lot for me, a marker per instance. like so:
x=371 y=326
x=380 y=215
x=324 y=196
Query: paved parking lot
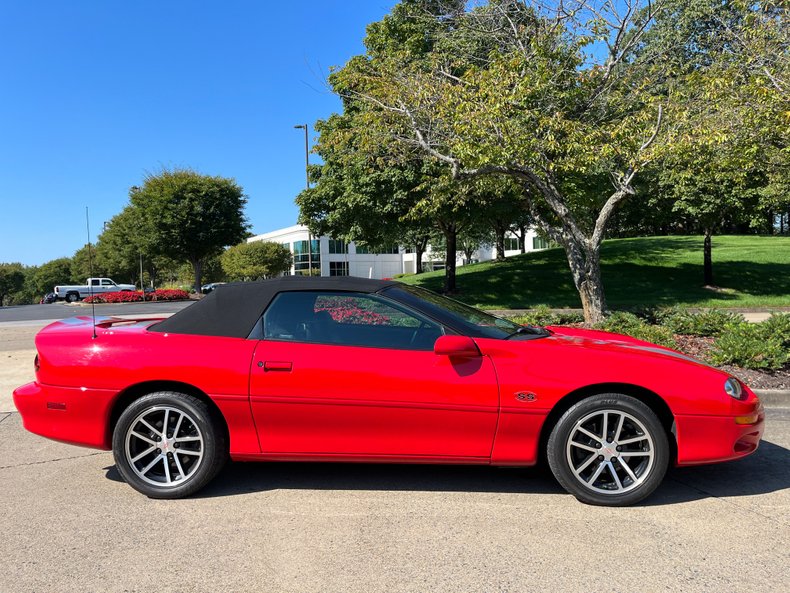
x=70 y=524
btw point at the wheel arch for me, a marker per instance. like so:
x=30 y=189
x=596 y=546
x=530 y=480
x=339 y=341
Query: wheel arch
x=646 y=396
x=134 y=392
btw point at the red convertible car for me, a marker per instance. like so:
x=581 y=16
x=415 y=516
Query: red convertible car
x=346 y=369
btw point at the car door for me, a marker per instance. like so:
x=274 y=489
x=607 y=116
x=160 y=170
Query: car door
x=354 y=374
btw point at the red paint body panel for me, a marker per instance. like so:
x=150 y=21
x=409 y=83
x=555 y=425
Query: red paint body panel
x=371 y=401
x=330 y=402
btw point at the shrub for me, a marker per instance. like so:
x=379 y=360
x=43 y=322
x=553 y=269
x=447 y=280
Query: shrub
x=703 y=323
x=751 y=346
x=620 y=322
x=542 y=315
x=136 y=297
x=778 y=326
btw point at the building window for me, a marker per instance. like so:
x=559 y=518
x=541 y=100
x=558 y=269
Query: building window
x=539 y=243
x=362 y=249
x=511 y=244
x=338 y=268
x=305 y=253
x=336 y=246
x=392 y=249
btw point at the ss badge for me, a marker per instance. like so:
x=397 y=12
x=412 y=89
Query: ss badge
x=526 y=396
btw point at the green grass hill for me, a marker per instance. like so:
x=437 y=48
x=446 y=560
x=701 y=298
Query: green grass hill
x=751 y=271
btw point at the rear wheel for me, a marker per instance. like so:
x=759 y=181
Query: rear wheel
x=168 y=445
x=72 y=297
x=609 y=449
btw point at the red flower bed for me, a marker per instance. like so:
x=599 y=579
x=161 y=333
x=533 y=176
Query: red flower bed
x=137 y=297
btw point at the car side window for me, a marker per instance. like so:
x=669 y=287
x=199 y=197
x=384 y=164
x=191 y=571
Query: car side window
x=348 y=319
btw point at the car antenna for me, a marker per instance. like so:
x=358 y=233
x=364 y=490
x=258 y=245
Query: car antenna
x=90 y=267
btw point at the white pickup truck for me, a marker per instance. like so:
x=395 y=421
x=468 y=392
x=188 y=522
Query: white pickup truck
x=71 y=294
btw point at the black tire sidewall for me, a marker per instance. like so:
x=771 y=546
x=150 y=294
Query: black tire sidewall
x=614 y=401
x=214 y=446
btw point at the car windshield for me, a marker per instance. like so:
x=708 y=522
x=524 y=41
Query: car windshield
x=468 y=320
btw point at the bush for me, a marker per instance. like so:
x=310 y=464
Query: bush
x=752 y=346
x=542 y=315
x=778 y=326
x=629 y=324
x=703 y=323
x=137 y=297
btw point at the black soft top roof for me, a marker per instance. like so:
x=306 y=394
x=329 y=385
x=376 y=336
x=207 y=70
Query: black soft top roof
x=231 y=310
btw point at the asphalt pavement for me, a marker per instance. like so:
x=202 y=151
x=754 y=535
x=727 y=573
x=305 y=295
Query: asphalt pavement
x=23 y=313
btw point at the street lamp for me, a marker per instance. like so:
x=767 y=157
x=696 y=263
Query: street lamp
x=307 y=185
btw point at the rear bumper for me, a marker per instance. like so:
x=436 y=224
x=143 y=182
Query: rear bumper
x=75 y=415
x=710 y=439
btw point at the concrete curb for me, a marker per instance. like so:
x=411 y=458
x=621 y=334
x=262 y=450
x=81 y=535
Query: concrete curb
x=773 y=397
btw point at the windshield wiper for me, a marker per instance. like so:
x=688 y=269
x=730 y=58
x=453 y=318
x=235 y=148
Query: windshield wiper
x=530 y=330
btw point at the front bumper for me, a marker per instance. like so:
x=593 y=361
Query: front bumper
x=710 y=439
x=75 y=415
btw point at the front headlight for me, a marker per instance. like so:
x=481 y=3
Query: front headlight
x=732 y=387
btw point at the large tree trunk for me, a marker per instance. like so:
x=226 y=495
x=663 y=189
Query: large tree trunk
x=707 y=264
x=499 y=230
x=522 y=239
x=197 y=266
x=420 y=251
x=451 y=238
x=585 y=264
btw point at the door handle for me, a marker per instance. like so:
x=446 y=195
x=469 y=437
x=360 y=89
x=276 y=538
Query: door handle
x=275 y=365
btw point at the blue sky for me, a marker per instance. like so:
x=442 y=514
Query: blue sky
x=95 y=94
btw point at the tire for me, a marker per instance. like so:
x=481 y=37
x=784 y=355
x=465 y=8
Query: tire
x=72 y=298
x=618 y=472
x=174 y=467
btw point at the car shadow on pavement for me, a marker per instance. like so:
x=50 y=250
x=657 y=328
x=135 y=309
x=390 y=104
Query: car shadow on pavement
x=761 y=473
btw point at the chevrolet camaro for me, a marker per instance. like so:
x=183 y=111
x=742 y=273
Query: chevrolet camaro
x=347 y=369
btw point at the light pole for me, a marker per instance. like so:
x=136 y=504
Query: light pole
x=307 y=186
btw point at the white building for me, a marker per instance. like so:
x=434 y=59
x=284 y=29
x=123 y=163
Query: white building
x=333 y=257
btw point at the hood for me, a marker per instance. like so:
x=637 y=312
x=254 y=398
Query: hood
x=607 y=341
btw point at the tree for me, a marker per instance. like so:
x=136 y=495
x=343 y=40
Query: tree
x=12 y=279
x=730 y=65
x=186 y=216
x=50 y=274
x=259 y=259
x=511 y=88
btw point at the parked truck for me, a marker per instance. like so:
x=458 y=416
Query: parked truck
x=72 y=294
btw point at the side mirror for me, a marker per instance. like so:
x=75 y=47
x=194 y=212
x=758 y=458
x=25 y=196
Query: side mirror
x=456 y=346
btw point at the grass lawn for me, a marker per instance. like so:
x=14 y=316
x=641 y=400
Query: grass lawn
x=751 y=271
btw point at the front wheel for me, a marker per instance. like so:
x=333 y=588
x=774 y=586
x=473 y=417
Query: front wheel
x=168 y=445
x=609 y=449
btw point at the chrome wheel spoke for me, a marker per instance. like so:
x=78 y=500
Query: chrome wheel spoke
x=633 y=440
x=613 y=471
x=178 y=466
x=142 y=454
x=585 y=447
x=149 y=427
x=148 y=467
x=597 y=473
x=178 y=427
x=144 y=438
x=188 y=439
x=636 y=454
x=619 y=430
x=188 y=452
x=627 y=469
x=586 y=432
x=585 y=465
